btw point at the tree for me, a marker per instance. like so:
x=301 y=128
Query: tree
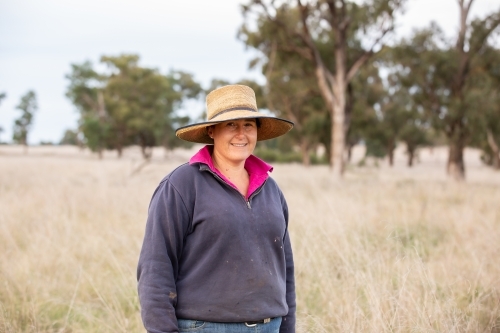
x=366 y=95
x=438 y=74
x=182 y=86
x=133 y=99
x=471 y=39
x=484 y=96
x=22 y=125
x=338 y=37
x=70 y=137
x=86 y=92
x=414 y=134
x=129 y=104
x=291 y=92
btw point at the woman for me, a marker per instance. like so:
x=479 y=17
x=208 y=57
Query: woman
x=216 y=255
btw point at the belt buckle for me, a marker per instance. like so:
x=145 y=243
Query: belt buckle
x=254 y=323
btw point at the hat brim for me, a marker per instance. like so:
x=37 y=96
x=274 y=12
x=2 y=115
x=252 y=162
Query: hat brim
x=270 y=127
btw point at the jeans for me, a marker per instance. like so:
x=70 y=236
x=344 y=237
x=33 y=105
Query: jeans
x=187 y=325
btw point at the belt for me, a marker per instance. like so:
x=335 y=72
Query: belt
x=254 y=323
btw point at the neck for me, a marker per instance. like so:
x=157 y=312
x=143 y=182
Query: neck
x=235 y=172
x=225 y=166
x=228 y=168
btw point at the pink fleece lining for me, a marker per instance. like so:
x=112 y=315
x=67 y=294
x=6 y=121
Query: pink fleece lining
x=257 y=169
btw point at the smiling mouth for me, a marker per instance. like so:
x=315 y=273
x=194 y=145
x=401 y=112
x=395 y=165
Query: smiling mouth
x=239 y=144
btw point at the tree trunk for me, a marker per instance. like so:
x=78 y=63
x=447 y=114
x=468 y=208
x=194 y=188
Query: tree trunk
x=495 y=150
x=338 y=141
x=119 y=151
x=456 y=134
x=146 y=153
x=496 y=161
x=304 y=151
x=335 y=101
x=390 y=152
x=456 y=165
x=349 y=152
x=339 y=87
x=411 y=154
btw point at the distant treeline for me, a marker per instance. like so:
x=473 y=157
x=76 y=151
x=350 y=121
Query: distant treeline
x=332 y=67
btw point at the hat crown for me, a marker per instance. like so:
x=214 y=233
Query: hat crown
x=230 y=98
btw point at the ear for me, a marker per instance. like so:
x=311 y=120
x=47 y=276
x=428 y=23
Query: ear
x=210 y=131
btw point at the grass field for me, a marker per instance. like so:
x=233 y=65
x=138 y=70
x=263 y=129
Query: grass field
x=386 y=250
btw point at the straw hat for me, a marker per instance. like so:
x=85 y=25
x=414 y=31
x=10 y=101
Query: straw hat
x=230 y=103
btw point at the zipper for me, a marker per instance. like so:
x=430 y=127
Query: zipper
x=226 y=184
x=257 y=191
x=247 y=202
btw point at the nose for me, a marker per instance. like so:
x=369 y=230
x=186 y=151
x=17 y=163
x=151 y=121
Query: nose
x=240 y=130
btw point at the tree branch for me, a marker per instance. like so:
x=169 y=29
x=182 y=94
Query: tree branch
x=367 y=55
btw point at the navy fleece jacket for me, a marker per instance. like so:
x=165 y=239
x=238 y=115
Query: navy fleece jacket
x=211 y=254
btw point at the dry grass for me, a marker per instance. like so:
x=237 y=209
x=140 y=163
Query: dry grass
x=387 y=250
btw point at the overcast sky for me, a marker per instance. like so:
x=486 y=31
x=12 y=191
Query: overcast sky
x=40 y=39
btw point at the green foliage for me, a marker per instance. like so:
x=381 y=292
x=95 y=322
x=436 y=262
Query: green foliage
x=291 y=91
x=129 y=104
x=375 y=147
x=71 y=138
x=442 y=78
x=22 y=125
x=484 y=97
x=310 y=52
x=274 y=155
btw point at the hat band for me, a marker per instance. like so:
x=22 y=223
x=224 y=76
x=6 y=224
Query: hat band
x=233 y=109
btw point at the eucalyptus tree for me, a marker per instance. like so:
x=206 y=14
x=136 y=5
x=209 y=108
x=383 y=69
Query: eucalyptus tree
x=484 y=96
x=86 y=92
x=181 y=87
x=291 y=92
x=22 y=125
x=70 y=137
x=135 y=99
x=129 y=104
x=437 y=73
x=338 y=37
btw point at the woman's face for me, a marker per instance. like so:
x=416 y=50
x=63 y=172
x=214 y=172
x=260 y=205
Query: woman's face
x=234 y=140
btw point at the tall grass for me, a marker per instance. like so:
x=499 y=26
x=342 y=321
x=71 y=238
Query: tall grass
x=387 y=250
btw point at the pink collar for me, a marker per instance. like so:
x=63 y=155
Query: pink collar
x=257 y=169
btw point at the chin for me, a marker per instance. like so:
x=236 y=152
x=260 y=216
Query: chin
x=240 y=157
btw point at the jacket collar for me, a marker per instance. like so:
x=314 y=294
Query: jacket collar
x=257 y=169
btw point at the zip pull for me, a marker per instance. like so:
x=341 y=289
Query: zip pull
x=248 y=205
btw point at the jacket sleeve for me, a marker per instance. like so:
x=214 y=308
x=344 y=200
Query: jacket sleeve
x=157 y=270
x=288 y=322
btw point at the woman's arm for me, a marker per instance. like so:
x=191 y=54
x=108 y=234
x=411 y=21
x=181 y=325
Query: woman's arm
x=158 y=266
x=288 y=322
